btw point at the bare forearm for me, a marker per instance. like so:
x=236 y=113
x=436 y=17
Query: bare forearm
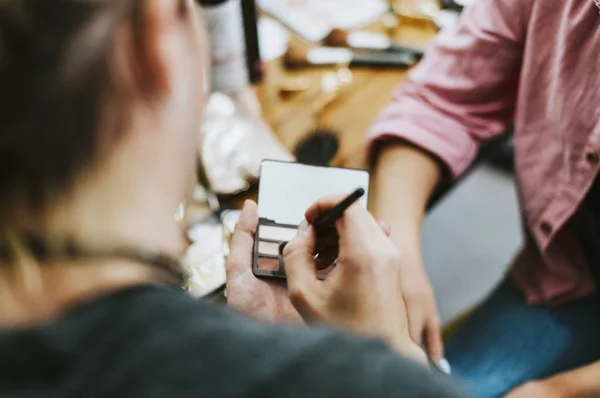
x=404 y=179
x=580 y=383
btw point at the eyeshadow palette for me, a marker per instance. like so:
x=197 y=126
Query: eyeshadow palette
x=268 y=246
x=286 y=190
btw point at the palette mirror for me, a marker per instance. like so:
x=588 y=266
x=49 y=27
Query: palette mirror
x=286 y=190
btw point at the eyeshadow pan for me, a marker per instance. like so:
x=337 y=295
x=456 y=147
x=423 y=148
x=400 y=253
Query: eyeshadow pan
x=268 y=248
x=276 y=233
x=268 y=264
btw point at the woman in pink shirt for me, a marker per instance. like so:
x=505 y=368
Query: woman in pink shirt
x=533 y=63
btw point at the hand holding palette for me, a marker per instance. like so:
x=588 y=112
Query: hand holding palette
x=286 y=190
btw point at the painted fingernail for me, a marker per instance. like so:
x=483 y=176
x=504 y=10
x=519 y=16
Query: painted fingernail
x=444 y=366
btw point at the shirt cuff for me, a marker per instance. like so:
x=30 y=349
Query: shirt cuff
x=442 y=138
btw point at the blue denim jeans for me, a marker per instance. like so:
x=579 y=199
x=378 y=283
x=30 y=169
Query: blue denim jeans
x=507 y=342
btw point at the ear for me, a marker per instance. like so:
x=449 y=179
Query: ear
x=157 y=34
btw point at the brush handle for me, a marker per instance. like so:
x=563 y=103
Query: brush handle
x=328 y=218
x=415 y=52
x=383 y=59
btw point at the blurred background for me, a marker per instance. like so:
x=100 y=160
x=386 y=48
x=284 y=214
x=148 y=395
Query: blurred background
x=303 y=80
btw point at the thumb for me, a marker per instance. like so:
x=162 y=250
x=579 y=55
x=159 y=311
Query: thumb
x=242 y=243
x=300 y=268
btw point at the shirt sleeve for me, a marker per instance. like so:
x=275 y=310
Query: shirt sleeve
x=464 y=90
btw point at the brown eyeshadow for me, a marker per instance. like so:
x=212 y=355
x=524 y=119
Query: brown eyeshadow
x=268 y=264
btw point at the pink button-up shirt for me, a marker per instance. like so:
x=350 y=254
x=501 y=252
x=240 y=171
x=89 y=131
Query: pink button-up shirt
x=535 y=63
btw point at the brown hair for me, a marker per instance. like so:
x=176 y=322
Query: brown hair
x=54 y=80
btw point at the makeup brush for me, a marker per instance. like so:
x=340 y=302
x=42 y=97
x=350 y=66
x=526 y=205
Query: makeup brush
x=327 y=252
x=318 y=148
x=321 y=144
x=323 y=56
x=329 y=217
x=360 y=39
x=325 y=221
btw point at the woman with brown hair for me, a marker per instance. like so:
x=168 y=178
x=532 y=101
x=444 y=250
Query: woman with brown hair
x=100 y=105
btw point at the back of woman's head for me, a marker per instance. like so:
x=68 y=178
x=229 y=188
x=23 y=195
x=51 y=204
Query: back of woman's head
x=53 y=74
x=56 y=76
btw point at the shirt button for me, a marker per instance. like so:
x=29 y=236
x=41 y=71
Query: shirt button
x=546 y=228
x=592 y=158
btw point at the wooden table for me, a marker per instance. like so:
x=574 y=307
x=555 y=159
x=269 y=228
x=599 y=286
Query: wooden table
x=352 y=112
x=350 y=115
x=292 y=118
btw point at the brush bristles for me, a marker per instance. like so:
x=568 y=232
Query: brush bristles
x=337 y=38
x=318 y=148
x=295 y=57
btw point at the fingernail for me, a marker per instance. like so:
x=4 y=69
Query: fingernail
x=444 y=366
